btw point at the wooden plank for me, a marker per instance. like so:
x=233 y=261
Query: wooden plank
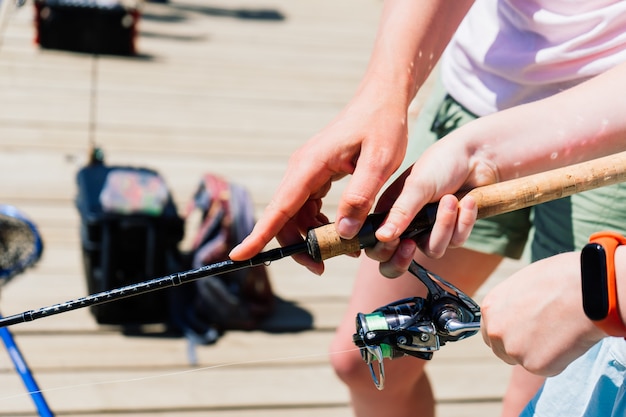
x=108 y=350
x=259 y=171
x=178 y=389
x=221 y=388
x=443 y=410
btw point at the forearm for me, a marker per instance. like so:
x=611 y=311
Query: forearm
x=411 y=38
x=582 y=123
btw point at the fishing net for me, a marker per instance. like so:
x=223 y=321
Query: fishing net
x=20 y=243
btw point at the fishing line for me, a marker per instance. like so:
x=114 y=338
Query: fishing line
x=172 y=374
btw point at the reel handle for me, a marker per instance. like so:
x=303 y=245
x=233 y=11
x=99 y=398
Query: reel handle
x=323 y=242
x=455 y=327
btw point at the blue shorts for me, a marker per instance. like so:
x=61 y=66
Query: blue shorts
x=591 y=386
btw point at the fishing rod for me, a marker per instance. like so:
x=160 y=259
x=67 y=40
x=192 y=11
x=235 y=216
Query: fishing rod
x=323 y=242
x=320 y=244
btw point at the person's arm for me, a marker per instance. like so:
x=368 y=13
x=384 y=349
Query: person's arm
x=582 y=123
x=535 y=318
x=368 y=138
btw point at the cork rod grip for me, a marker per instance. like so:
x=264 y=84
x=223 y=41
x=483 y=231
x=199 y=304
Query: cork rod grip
x=551 y=185
x=324 y=242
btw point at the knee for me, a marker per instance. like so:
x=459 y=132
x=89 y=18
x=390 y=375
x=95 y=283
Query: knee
x=401 y=374
x=348 y=364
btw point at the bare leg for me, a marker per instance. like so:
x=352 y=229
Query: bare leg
x=522 y=388
x=407 y=389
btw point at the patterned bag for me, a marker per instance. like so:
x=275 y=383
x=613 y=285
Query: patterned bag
x=236 y=300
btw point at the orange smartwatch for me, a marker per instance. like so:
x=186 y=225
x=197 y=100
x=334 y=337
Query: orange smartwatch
x=599 y=285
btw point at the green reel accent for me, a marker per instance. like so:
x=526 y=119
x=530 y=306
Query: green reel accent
x=377 y=321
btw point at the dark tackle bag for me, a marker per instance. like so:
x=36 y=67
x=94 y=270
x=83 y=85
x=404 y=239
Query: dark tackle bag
x=89 y=26
x=235 y=300
x=129 y=232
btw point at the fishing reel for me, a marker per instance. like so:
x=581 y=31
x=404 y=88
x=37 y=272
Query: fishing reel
x=416 y=326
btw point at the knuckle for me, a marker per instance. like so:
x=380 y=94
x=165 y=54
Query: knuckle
x=399 y=216
x=357 y=202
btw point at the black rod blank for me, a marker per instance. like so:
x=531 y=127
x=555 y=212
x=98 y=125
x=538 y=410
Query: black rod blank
x=154 y=284
x=320 y=243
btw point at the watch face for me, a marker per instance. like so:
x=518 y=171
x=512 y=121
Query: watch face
x=594 y=281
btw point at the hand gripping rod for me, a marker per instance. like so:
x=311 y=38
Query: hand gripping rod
x=323 y=242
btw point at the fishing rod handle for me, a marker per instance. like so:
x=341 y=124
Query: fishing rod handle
x=324 y=242
x=523 y=192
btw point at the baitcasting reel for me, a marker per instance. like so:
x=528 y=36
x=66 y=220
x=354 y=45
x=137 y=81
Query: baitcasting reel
x=416 y=326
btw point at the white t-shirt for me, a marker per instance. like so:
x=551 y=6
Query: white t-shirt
x=509 y=52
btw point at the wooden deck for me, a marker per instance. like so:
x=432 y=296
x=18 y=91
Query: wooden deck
x=211 y=91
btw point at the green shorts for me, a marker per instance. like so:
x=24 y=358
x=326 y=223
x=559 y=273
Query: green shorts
x=558 y=226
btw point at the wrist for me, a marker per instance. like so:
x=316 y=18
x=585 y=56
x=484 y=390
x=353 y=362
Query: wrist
x=388 y=85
